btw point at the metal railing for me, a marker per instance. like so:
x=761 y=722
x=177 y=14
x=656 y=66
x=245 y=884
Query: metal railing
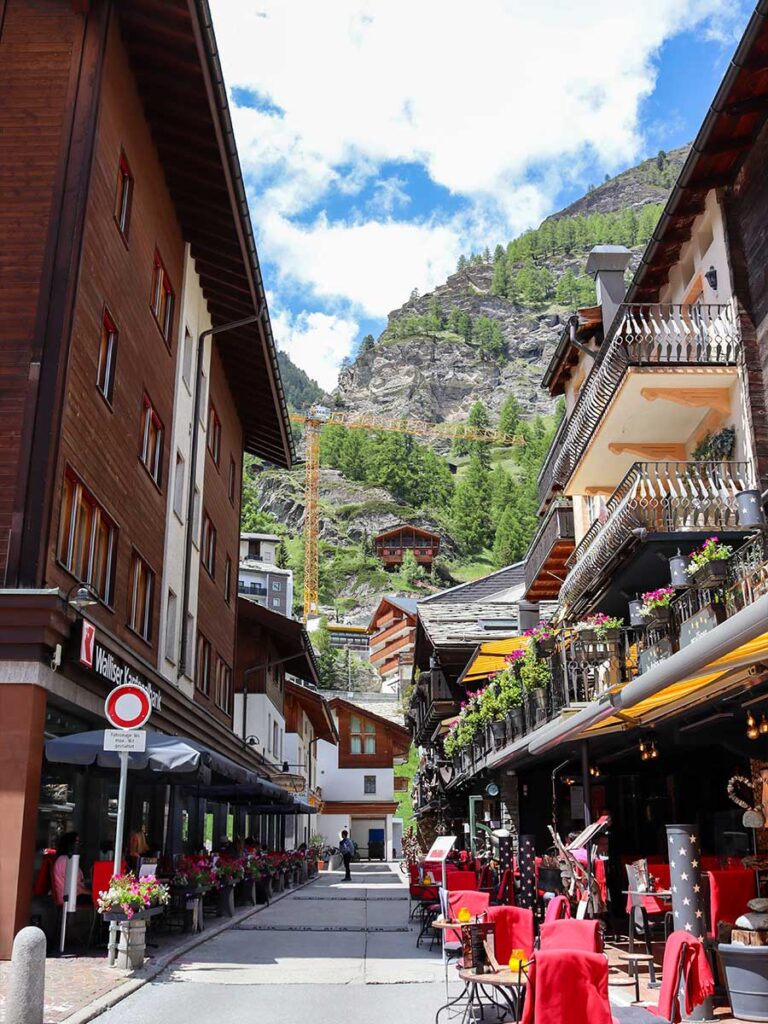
x=642 y=335
x=556 y=525
x=661 y=497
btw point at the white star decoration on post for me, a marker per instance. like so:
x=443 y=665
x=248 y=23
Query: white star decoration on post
x=688 y=927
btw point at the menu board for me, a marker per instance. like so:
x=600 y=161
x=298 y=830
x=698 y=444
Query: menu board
x=440 y=849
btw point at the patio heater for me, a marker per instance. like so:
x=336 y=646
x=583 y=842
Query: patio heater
x=526 y=856
x=687 y=896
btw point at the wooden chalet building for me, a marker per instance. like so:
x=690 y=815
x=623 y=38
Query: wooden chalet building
x=392 y=634
x=122 y=420
x=391 y=545
x=357 y=776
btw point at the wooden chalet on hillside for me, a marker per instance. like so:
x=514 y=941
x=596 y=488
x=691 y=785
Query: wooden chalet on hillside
x=391 y=545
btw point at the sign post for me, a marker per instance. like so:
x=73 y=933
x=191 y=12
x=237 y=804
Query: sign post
x=127 y=708
x=439 y=851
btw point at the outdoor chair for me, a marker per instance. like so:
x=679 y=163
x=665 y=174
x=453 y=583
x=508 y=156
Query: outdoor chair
x=101 y=876
x=505 y=894
x=464 y=880
x=729 y=893
x=513 y=929
x=568 y=933
x=558 y=908
x=569 y=987
x=685 y=971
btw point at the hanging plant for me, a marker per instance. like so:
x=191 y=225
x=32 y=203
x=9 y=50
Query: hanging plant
x=716 y=447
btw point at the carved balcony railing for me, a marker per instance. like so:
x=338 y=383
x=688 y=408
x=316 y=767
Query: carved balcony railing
x=655 y=335
x=661 y=497
x=556 y=526
x=545 y=483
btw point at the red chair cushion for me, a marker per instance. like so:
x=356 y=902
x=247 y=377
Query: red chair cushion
x=567 y=987
x=571 y=934
x=729 y=893
x=513 y=929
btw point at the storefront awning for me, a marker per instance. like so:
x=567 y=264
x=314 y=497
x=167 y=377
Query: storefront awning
x=490 y=657
x=247 y=793
x=183 y=759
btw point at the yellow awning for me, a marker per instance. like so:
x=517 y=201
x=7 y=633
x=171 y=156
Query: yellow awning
x=689 y=689
x=490 y=656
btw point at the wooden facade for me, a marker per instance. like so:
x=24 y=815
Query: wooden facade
x=94 y=96
x=391 y=545
x=391 y=741
x=393 y=633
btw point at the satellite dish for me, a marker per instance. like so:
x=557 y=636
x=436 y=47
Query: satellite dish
x=491 y=789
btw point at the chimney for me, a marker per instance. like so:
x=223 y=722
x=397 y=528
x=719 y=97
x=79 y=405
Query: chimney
x=607 y=263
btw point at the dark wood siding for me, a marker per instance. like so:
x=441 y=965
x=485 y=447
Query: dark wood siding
x=216 y=617
x=100 y=442
x=746 y=211
x=39 y=47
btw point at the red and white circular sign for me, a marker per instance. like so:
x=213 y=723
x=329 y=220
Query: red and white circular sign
x=128 y=706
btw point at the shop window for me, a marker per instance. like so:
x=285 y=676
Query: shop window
x=105 y=371
x=208 y=547
x=369 y=784
x=123 y=196
x=178 y=487
x=171 y=613
x=214 y=434
x=140 y=588
x=87 y=538
x=228 y=580
x=151 y=441
x=232 y=485
x=162 y=299
x=186 y=358
x=222 y=690
x=203 y=665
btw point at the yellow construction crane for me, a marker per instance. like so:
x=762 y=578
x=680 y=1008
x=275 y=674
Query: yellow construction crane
x=314 y=420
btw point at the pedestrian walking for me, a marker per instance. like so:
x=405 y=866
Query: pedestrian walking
x=347 y=851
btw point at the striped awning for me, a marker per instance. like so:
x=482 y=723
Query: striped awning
x=490 y=657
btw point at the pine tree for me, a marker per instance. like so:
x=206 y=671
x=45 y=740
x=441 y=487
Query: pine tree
x=462 y=263
x=367 y=343
x=502 y=492
x=352 y=462
x=509 y=415
x=478 y=419
x=498 y=253
x=510 y=543
x=435 y=318
x=470 y=509
x=500 y=282
x=566 y=290
x=486 y=255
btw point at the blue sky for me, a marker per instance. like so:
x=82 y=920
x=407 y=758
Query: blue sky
x=382 y=138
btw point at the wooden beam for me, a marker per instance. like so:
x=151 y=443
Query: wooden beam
x=651 y=452
x=696 y=398
x=749 y=105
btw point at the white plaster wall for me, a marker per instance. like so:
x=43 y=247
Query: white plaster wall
x=703 y=254
x=347 y=784
x=330 y=826
x=260 y=713
x=193 y=317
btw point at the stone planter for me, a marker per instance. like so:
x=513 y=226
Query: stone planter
x=746 y=977
x=499 y=731
x=227 y=900
x=713 y=574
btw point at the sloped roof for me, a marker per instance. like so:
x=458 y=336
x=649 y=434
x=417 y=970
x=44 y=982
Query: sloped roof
x=406 y=526
x=458 y=625
x=481 y=589
x=407 y=605
x=290 y=636
x=316 y=709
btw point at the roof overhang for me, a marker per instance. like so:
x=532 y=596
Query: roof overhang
x=316 y=709
x=289 y=636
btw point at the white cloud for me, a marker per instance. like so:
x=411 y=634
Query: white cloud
x=317 y=342
x=499 y=102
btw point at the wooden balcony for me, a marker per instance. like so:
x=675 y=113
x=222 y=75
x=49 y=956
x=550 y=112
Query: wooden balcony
x=549 y=552
x=660 y=498
x=656 y=337
x=432 y=701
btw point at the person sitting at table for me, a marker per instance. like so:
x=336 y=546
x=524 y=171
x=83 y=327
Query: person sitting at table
x=68 y=844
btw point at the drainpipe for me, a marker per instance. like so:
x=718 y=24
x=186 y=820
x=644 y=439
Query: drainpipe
x=183 y=650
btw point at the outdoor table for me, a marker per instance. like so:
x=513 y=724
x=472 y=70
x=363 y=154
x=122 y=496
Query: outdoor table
x=661 y=894
x=508 y=984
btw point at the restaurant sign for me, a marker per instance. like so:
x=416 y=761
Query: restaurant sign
x=113 y=669
x=655 y=653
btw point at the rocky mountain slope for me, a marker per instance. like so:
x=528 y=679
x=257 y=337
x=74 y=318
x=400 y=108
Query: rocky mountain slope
x=439 y=374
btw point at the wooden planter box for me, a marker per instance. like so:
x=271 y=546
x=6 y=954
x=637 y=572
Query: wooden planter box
x=658 y=617
x=713 y=574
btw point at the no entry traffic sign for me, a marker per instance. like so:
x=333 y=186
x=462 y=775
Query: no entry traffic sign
x=128 y=706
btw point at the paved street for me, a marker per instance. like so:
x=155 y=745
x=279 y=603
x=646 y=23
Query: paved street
x=333 y=950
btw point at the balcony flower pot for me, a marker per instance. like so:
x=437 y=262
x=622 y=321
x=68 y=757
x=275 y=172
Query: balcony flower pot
x=746 y=976
x=712 y=574
x=587 y=636
x=498 y=729
x=749 y=505
x=515 y=722
x=658 y=617
x=540 y=700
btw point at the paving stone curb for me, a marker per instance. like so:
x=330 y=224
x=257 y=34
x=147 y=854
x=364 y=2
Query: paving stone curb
x=132 y=983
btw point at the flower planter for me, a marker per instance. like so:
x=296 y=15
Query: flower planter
x=499 y=731
x=515 y=723
x=321 y=865
x=457 y=764
x=263 y=890
x=546 y=645
x=746 y=977
x=247 y=891
x=607 y=635
x=587 y=636
x=131 y=937
x=227 y=900
x=713 y=574
x=658 y=617
x=540 y=703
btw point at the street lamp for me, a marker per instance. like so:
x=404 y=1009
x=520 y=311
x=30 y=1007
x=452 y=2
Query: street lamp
x=85 y=596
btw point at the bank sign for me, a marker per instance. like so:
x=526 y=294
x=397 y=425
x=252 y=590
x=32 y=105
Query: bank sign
x=110 y=666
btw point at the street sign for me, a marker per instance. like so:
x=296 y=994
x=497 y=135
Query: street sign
x=132 y=740
x=128 y=706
